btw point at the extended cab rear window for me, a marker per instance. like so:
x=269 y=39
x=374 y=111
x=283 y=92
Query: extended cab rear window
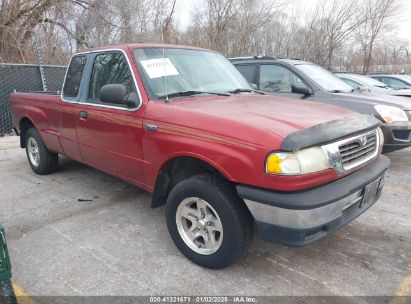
x=73 y=78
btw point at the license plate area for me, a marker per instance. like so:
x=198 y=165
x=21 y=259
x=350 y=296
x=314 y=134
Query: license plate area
x=371 y=192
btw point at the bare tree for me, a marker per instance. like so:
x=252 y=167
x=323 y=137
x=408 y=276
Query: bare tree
x=21 y=20
x=376 y=14
x=328 y=28
x=343 y=33
x=231 y=26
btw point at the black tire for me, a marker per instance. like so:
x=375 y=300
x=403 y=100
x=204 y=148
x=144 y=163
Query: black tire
x=48 y=161
x=236 y=220
x=7 y=295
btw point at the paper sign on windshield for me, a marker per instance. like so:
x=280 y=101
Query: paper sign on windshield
x=160 y=67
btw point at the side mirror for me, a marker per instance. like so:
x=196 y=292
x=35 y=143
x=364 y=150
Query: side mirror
x=253 y=86
x=113 y=93
x=117 y=94
x=363 y=89
x=301 y=90
x=132 y=100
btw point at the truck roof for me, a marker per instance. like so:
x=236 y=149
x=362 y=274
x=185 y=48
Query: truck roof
x=131 y=46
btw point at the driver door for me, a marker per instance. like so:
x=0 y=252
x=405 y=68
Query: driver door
x=110 y=135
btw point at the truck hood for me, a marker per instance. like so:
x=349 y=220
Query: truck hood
x=281 y=116
x=375 y=99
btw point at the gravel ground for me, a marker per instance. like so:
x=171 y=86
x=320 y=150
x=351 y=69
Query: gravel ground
x=83 y=232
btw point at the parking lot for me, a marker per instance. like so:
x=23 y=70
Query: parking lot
x=83 y=232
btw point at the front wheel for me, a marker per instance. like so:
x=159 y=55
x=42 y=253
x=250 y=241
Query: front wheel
x=208 y=222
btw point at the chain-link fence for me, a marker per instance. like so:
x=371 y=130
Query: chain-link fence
x=25 y=78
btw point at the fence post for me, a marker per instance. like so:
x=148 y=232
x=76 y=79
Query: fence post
x=40 y=63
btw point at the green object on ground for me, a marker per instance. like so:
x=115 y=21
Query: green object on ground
x=5 y=266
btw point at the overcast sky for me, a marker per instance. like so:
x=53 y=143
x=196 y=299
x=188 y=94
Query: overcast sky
x=185 y=8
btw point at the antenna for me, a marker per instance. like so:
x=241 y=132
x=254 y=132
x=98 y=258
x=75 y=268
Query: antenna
x=164 y=65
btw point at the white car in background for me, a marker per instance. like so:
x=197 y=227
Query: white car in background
x=365 y=83
x=395 y=81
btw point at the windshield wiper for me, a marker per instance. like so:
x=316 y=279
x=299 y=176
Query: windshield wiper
x=238 y=91
x=191 y=93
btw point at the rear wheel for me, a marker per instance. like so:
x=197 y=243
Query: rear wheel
x=41 y=160
x=208 y=222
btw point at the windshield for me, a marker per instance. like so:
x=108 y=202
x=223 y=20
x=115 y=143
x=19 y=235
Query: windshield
x=171 y=71
x=368 y=81
x=324 y=79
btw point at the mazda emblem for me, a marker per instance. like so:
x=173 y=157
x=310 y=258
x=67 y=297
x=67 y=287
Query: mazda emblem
x=363 y=140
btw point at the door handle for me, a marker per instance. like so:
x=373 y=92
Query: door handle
x=150 y=127
x=83 y=114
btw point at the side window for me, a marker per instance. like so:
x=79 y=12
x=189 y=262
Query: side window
x=352 y=83
x=248 y=71
x=109 y=68
x=395 y=83
x=73 y=78
x=275 y=78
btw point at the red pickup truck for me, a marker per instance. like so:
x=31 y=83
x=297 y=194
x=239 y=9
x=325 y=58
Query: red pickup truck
x=182 y=123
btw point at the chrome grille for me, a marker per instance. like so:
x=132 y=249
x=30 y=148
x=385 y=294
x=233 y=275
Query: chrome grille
x=354 y=151
x=359 y=150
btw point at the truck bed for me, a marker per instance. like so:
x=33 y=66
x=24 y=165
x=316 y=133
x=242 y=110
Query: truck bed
x=45 y=109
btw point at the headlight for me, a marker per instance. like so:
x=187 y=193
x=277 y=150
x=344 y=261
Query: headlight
x=391 y=114
x=301 y=162
x=381 y=136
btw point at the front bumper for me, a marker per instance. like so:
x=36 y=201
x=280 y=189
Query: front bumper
x=396 y=135
x=299 y=218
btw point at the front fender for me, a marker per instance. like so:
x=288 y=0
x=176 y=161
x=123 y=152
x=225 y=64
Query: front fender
x=238 y=162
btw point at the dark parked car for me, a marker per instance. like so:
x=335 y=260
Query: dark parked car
x=397 y=82
x=300 y=79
